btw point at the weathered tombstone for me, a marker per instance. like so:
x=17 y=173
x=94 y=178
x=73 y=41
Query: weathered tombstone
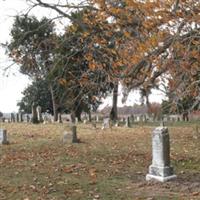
x=74 y=134
x=27 y=118
x=67 y=137
x=34 y=114
x=17 y=117
x=21 y=117
x=85 y=121
x=39 y=113
x=97 y=118
x=160 y=169
x=59 y=118
x=106 y=123
x=3 y=137
x=117 y=124
x=128 y=122
x=12 y=117
x=76 y=120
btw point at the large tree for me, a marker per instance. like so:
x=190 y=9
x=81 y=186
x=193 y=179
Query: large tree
x=37 y=92
x=31 y=46
x=149 y=38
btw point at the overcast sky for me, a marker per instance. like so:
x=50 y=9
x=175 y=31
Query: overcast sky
x=12 y=83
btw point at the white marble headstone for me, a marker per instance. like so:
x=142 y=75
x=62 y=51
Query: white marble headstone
x=160 y=169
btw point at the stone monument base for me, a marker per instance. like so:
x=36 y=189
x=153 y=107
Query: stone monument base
x=161 y=174
x=163 y=179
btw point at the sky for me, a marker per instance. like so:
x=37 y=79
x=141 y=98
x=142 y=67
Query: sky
x=12 y=83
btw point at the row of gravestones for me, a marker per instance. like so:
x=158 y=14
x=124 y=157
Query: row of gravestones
x=159 y=170
x=107 y=123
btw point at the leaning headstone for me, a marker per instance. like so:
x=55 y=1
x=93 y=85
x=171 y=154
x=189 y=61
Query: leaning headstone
x=106 y=123
x=39 y=113
x=3 y=137
x=160 y=169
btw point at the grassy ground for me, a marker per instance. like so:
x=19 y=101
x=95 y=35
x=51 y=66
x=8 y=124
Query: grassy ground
x=108 y=164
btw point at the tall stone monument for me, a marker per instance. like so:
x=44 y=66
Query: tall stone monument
x=160 y=169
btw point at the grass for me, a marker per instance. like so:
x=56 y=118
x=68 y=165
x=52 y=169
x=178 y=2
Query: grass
x=108 y=164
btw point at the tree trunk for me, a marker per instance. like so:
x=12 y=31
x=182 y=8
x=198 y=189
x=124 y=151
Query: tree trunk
x=55 y=105
x=34 y=114
x=89 y=116
x=78 y=112
x=113 y=112
x=73 y=128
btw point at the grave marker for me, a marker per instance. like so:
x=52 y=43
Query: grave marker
x=160 y=169
x=3 y=137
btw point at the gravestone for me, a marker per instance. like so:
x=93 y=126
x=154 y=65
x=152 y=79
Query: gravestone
x=3 y=137
x=12 y=117
x=39 y=113
x=27 y=118
x=59 y=118
x=106 y=123
x=117 y=124
x=160 y=169
x=21 y=117
x=74 y=134
x=67 y=137
x=85 y=121
x=17 y=117
x=128 y=122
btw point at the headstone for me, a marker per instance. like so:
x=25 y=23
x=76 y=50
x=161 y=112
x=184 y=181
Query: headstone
x=39 y=113
x=17 y=117
x=74 y=134
x=160 y=169
x=76 y=120
x=67 y=137
x=12 y=117
x=59 y=118
x=128 y=122
x=21 y=117
x=117 y=124
x=97 y=118
x=85 y=121
x=27 y=118
x=106 y=123
x=3 y=137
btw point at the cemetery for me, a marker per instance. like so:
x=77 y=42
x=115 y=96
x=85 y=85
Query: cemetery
x=140 y=162
x=100 y=100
